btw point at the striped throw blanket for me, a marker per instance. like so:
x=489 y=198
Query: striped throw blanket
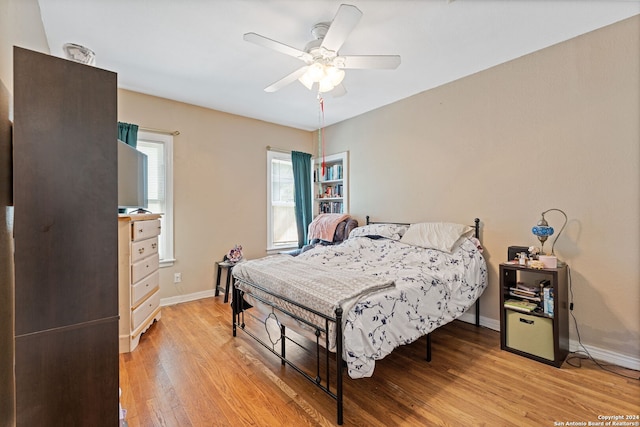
x=316 y=286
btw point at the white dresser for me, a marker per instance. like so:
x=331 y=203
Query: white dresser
x=138 y=276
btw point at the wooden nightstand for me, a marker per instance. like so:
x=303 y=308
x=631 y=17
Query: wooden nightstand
x=538 y=335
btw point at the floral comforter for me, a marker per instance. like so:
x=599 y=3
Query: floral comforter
x=431 y=289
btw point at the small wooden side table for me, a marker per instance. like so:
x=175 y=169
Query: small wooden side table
x=228 y=266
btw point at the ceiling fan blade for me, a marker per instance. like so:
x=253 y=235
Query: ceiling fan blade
x=383 y=62
x=343 y=23
x=287 y=79
x=277 y=46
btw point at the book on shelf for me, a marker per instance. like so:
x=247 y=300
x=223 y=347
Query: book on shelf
x=525 y=293
x=331 y=173
x=548 y=301
x=520 y=305
x=335 y=172
x=529 y=292
x=528 y=297
x=330 y=207
x=529 y=288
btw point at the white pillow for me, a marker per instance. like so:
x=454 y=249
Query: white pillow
x=435 y=235
x=390 y=231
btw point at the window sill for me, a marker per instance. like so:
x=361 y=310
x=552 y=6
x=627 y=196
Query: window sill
x=167 y=262
x=277 y=250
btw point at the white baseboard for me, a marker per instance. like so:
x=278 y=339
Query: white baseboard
x=484 y=321
x=186 y=298
x=607 y=356
x=597 y=353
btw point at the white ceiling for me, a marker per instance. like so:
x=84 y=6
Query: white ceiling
x=193 y=51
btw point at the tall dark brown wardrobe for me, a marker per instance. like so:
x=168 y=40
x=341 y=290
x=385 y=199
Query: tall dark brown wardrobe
x=65 y=237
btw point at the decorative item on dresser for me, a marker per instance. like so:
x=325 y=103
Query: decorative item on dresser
x=138 y=276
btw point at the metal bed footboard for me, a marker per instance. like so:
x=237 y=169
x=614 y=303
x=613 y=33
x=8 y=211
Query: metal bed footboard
x=323 y=383
x=238 y=310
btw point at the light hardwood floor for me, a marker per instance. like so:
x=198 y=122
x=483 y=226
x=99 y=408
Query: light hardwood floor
x=189 y=371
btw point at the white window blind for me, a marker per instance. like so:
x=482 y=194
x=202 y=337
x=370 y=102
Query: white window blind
x=159 y=151
x=282 y=232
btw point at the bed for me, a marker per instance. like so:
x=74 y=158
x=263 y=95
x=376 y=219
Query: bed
x=386 y=285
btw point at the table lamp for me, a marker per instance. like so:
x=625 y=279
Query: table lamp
x=543 y=230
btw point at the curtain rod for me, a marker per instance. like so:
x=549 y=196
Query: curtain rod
x=279 y=150
x=168 y=132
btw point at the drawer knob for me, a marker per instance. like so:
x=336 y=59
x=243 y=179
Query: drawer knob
x=153 y=245
x=141 y=250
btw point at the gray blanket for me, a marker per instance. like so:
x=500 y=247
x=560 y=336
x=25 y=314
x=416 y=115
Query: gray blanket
x=316 y=286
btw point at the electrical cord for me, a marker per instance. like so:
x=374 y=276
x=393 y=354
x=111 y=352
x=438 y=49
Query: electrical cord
x=587 y=356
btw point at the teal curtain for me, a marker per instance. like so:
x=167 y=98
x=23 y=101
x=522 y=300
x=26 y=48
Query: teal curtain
x=301 y=163
x=128 y=133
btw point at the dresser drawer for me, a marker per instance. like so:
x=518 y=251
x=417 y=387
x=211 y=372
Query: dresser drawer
x=143 y=248
x=143 y=268
x=144 y=287
x=145 y=310
x=144 y=229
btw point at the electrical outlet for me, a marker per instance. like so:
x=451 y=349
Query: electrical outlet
x=177 y=277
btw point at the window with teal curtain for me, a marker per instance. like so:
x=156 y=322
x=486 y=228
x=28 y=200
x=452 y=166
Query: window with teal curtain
x=282 y=230
x=302 y=185
x=128 y=133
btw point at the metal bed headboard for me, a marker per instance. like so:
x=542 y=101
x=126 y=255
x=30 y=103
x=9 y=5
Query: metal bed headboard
x=476 y=225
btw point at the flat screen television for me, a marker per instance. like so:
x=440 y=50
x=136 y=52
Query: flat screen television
x=132 y=178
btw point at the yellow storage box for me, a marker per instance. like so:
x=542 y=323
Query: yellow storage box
x=530 y=334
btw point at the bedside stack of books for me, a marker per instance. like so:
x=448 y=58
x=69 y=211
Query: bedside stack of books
x=537 y=298
x=528 y=298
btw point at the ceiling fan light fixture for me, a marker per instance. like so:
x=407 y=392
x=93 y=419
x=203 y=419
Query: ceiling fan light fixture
x=335 y=75
x=316 y=71
x=325 y=85
x=327 y=76
x=306 y=80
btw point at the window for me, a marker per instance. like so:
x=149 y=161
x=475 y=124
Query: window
x=159 y=151
x=282 y=231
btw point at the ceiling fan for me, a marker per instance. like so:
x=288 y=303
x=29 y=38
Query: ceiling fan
x=324 y=65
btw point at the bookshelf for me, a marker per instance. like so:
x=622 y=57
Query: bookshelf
x=331 y=189
x=534 y=313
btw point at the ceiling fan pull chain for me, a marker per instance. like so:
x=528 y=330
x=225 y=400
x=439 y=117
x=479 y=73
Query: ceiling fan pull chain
x=321 y=132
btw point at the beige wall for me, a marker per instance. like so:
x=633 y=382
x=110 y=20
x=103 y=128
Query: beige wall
x=219 y=183
x=20 y=25
x=558 y=128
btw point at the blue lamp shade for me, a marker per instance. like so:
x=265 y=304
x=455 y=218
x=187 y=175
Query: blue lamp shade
x=542 y=230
